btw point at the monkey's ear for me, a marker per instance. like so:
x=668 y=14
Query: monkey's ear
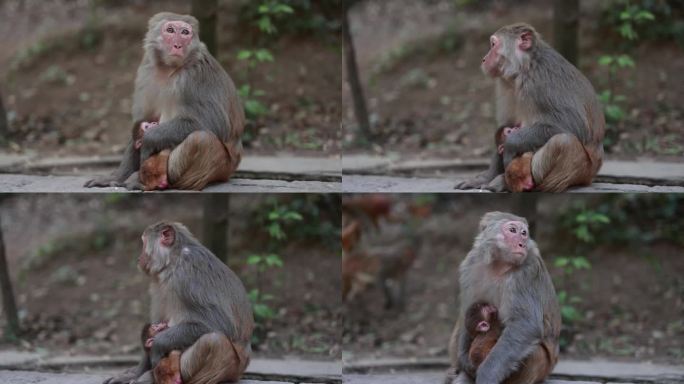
x=168 y=235
x=525 y=40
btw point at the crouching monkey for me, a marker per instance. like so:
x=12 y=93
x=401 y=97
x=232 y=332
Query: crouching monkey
x=504 y=268
x=203 y=305
x=180 y=86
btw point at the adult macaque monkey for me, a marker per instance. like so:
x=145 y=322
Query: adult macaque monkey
x=204 y=305
x=183 y=88
x=504 y=269
x=556 y=106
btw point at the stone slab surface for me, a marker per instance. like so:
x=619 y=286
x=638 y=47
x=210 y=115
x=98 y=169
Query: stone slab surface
x=29 y=377
x=284 y=163
x=422 y=378
x=641 y=168
x=368 y=183
x=74 y=184
x=567 y=371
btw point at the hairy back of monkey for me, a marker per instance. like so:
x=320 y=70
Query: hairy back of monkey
x=199 y=160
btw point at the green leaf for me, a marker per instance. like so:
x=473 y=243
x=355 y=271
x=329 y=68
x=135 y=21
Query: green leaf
x=625 y=61
x=263 y=311
x=263 y=55
x=561 y=262
x=581 y=263
x=644 y=15
x=605 y=60
x=244 y=55
x=253 y=259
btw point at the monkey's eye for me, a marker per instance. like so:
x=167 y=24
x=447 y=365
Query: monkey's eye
x=512 y=229
x=185 y=32
x=169 y=30
x=524 y=232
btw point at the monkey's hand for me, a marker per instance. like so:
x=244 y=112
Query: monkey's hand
x=124 y=378
x=498 y=184
x=103 y=182
x=178 y=337
x=478 y=182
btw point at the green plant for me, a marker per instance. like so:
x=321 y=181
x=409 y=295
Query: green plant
x=254 y=108
x=275 y=218
x=631 y=16
x=581 y=223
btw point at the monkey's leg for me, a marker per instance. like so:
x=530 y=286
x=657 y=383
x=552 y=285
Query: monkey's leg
x=480 y=181
x=145 y=378
x=498 y=184
x=534 y=369
x=561 y=163
x=129 y=164
x=463 y=378
x=133 y=182
x=199 y=160
x=213 y=359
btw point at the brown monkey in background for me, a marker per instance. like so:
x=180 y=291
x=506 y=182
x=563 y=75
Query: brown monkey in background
x=557 y=106
x=204 y=304
x=504 y=268
x=484 y=327
x=181 y=86
x=199 y=160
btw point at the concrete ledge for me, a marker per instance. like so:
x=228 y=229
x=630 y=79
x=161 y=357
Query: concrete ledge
x=368 y=183
x=14 y=183
x=592 y=371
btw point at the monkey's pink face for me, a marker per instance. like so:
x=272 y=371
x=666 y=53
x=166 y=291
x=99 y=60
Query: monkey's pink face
x=176 y=36
x=515 y=237
x=144 y=258
x=491 y=62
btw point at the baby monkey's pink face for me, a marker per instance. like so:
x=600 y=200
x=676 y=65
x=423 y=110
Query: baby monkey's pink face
x=177 y=36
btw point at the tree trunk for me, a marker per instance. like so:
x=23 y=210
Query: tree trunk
x=565 y=28
x=4 y=127
x=9 y=306
x=360 y=109
x=525 y=205
x=215 y=224
x=206 y=12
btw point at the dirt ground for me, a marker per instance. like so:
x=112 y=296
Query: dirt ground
x=67 y=97
x=632 y=298
x=420 y=64
x=78 y=289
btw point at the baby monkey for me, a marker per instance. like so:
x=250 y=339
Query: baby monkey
x=167 y=370
x=484 y=328
x=518 y=174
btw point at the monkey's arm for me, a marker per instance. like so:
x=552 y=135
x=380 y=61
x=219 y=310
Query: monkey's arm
x=528 y=139
x=178 y=337
x=167 y=136
x=481 y=180
x=133 y=373
x=521 y=336
x=464 y=342
x=129 y=164
x=498 y=184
